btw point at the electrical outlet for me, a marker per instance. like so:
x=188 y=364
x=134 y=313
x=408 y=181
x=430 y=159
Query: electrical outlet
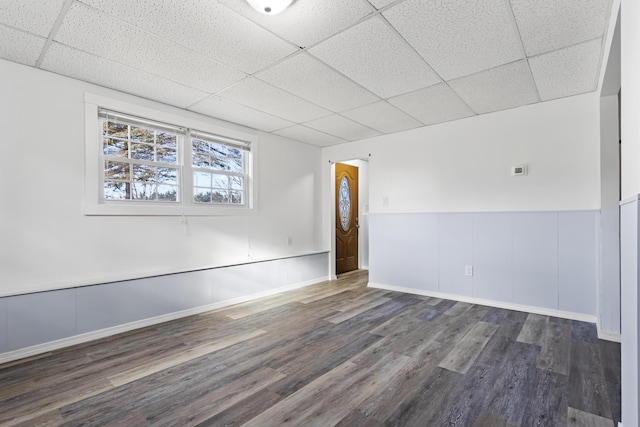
x=289 y=240
x=468 y=270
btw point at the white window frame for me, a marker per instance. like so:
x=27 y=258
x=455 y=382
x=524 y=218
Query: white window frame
x=94 y=203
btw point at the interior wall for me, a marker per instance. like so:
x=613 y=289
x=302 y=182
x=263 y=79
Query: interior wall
x=465 y=165
x=50 y=244
x=630 y=164
x=609 y=233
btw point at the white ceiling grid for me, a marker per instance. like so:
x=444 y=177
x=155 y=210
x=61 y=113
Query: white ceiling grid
x=322 y=72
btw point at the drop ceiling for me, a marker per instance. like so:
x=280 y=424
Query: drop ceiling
x=323 y=72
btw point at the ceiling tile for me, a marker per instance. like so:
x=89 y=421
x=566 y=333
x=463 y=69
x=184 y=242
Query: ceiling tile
x=547 y=25
x=206 y=27
x=567 y=72
x=379 y=4
x=19 y=46
x=261 y=96
x=383 y=117
x=34 y=16
x=305 y=23
x=342 y=127
x=236 y=113
x=101 y=34
x=310 y=79
x=500 y=88
x=310 y=136
x=458 y=38
x=435 y=104
x=83 y=66
x=374 y=56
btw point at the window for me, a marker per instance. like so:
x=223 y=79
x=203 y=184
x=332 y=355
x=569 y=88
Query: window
x=219 y=170
x=141 y=159
x=147 y=162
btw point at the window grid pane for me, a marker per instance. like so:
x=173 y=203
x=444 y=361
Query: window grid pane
x=140 y=163
x=219 y=175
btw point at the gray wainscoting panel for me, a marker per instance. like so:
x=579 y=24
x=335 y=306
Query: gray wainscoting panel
x=376 y=259
x=103 y=306
x=269 y=274
x=609 y=289
x=535 y=259
x=317 y=265
x=297 y=270
x=227 y=284
x=167 y=294
x=455 y=251
x=492 y=252
x=422 y=251
x=364 y=228
x=42 y=317
x=577 y=262
x=3 y=325
x=630 y=282
x=39 y=318
x=396 y=244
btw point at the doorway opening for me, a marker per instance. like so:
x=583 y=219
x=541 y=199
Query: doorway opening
x=350 y=210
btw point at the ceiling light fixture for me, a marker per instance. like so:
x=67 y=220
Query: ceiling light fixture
x=270 y=7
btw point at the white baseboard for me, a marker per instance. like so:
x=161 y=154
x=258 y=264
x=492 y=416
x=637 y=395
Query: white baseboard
x=608 y=335
x=102 y=333
x=499 y=304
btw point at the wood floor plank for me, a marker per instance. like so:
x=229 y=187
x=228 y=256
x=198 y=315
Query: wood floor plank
x=611 y=363
x=578 y=418
x=413 y=377
x=26 y=411
x=465 y=352
x=45 y=419
x=458 y=309
x=495 y=315
x=512 y=383
x=198 y=409
x=548 y=402
x=189 y=354
x=425 y=406
x=298 y=377
x=244 y=410
x=555 y=351
x=403 y=322
x=533 y=329
x=436 y=310
x=489 y=419
x=357 y=418
x=358 y=309
x=587 y=390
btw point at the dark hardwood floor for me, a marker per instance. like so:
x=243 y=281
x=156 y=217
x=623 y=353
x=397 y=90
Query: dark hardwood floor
x=336 y=353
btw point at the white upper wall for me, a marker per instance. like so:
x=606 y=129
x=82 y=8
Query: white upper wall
x=464 y=166
x=630 y=137
x=48 y=243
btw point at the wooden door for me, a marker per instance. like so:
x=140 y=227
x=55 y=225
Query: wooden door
x=346 y=218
